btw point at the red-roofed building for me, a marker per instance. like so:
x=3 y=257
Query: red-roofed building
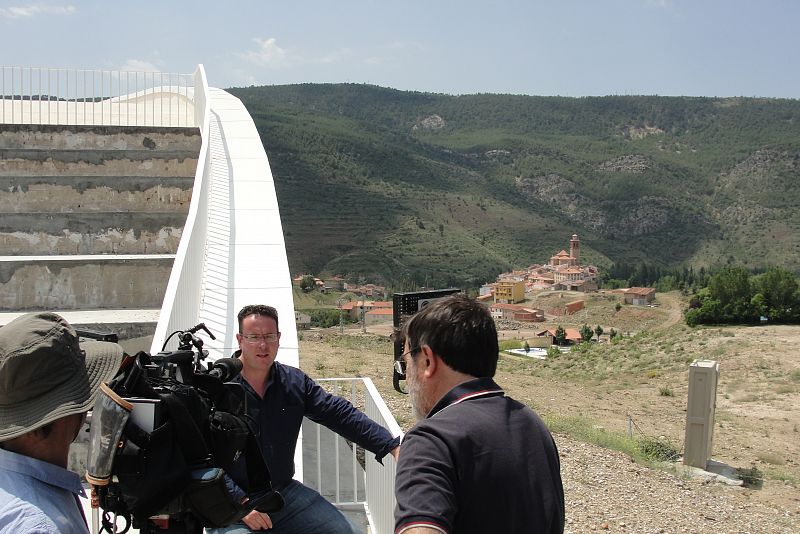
x=573 y=336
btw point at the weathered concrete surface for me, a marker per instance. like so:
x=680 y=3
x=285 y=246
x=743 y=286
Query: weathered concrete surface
x=45 y=197
x=97 y=166
x=83 y=284
x=107 y=240
x=95 y=192
x=53 y=137
x=81 y=184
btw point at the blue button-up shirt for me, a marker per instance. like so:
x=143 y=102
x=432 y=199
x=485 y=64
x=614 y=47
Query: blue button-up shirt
x=37 y=497
x=291 y=395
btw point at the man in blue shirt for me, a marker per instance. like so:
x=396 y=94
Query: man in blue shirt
x=47 y=383
x=278 y=397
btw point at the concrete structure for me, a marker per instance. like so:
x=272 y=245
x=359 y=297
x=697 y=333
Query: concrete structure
x=302 y=320
x=91 y=216
x=516 y=312
x=700 y=409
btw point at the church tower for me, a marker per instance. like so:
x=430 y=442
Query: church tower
x=575 y=250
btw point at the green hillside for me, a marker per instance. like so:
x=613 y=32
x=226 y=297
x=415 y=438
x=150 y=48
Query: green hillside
x=416 y=188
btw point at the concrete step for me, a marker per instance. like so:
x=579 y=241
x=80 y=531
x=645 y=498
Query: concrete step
x=54 y=234
x=142 y=195
x=55 y=137
x=83 y=182
x=83 y=163
x=83 y=282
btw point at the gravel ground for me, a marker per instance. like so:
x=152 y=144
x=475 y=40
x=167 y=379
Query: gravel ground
x=606 y=491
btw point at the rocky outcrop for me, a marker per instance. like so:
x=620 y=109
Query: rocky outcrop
x=431 y=122
x=633 y=164
x=639 y=216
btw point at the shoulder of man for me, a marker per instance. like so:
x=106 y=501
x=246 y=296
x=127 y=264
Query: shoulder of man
x=18 y=515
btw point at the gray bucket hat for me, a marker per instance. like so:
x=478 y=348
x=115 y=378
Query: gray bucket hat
x=45 y=374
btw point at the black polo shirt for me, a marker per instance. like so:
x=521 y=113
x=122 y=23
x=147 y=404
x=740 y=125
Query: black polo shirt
x=480 y=462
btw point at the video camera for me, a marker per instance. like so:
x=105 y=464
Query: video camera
x=404 y=305
x=165 y=434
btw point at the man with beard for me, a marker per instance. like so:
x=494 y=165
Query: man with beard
x=477 y=460
x=47 y=383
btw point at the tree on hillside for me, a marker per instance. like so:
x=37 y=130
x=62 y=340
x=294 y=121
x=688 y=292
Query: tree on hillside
x=560 y=337
x=598 y=331
x=776 y=295
x=307 y=283
x=586 y=333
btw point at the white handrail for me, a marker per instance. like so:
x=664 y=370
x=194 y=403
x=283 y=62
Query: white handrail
x=59 y=96
x=181 y=307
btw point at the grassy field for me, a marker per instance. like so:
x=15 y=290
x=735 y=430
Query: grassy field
x=602 y=391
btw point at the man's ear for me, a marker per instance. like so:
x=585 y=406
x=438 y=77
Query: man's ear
x=431 y=361
x=239 y=339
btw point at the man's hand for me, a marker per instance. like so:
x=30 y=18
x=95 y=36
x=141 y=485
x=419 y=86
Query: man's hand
x=396 y=453
x=256 y=520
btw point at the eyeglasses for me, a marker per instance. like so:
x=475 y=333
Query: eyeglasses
x=400 y=365
x=254 y=339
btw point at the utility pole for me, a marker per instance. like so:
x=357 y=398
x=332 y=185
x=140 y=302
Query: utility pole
x=340 y=302
x=363 y=314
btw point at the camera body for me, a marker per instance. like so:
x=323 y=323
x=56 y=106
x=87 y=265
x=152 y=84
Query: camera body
x=165 y=433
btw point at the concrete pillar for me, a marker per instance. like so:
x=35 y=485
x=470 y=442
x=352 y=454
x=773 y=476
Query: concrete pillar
x=701 y=404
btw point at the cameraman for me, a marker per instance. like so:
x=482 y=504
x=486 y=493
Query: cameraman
x=47 y=384
x=278 y=396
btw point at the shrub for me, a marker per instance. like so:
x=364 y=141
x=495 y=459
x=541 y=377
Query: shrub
x=665 y=391
x=657 y=449
x=553 y=352
x=751 y=477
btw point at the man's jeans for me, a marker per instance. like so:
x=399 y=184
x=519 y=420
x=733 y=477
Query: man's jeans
x=305 y=512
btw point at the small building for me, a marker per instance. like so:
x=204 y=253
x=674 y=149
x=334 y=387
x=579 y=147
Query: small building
x=302 y=320
x=509 y=292
x=639 y=296
x=573 y=336
x=516 y=312
x=335 y=283
x=353 y=309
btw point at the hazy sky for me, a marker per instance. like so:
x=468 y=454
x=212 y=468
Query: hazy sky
x=555 y=47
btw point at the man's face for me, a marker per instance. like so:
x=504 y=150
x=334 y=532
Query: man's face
x=415 y=389
x=258 y=341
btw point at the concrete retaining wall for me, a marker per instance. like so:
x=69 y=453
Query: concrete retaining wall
x=94 y=192
x=94 y=283
x=54 y=137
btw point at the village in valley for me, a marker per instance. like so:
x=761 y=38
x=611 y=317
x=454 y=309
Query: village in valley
x=530 y=304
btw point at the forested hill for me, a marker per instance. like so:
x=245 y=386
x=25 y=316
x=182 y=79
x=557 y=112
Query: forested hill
x=407 y=187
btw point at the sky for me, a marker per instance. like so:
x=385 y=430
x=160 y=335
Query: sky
x=535 y=47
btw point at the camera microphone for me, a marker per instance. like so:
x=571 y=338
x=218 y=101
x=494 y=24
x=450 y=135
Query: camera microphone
x=226 y=368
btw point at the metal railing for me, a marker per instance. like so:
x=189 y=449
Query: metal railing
x=38 y=95
x=345 y=491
